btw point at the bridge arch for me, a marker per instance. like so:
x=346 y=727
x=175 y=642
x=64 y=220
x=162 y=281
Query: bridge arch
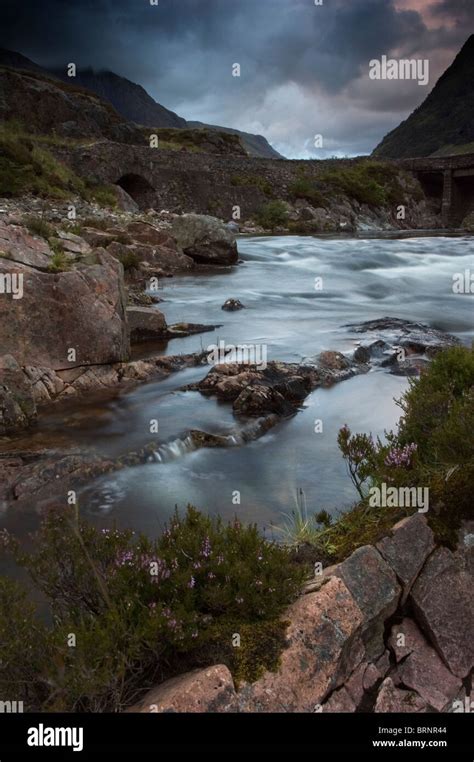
x=138 y=187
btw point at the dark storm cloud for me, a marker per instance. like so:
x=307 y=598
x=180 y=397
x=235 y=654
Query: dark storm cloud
x=304 y=67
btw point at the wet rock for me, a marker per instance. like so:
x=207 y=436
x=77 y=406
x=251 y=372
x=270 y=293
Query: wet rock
x=205 y=239
x=407 y=548
x=146 y=324
x=203 y=690
x=232 y=305
x=278 y=388
x=415 y=338
x=320 y=634
x=442 y=601
x=178 y=330
x=376 y=591
x=392 y=699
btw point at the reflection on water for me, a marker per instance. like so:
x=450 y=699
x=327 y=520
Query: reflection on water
x=276 y=282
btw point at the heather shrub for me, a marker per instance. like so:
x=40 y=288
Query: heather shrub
x=272 y=215
x=141 y=610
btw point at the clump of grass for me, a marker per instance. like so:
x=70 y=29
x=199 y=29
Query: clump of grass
x=369 y=182
x=298 y=528
x=38 y=226
x=104 y=195
x=59 y=261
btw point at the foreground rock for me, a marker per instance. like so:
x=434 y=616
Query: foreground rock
x=205 y=239
x=336 y=658
x=65 y=319
x=145 y=324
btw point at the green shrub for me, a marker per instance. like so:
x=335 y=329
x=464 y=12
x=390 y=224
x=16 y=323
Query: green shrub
x=59 y=261
x=272 y=215
x=304 y=187
x=368 y=182
x=104 y=195
x=143 y=610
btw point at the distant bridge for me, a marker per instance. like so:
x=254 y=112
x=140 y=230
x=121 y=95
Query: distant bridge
x=449 y=179
x=210 y=184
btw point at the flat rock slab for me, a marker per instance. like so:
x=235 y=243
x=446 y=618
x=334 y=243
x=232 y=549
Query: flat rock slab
x=424 y=671
x=320 y=636
x=442 y=600
x=202 y=690
x=407 y=548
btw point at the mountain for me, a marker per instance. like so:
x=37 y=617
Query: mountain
x=133 y=102
x=255 y=145
x=444 y=123
x=130 y=100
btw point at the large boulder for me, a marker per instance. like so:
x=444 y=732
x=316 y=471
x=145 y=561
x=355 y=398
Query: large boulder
x=318 y=658
x=202 y=690
x=442 y=601
x=146 y=324
x=424 y=672
x=392 y=699
x=205 y=239
x=81 y=309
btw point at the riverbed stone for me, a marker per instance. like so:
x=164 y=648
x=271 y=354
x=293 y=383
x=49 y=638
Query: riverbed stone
x=18 y=245
x=407 y=548
x=202 y=690
x=442 y=601
x=205 y=239
x=146 y=324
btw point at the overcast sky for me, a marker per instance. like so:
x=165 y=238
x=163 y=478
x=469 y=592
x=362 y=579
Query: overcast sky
x=304 y=67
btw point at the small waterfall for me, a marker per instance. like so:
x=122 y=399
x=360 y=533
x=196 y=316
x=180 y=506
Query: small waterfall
x=173 y=450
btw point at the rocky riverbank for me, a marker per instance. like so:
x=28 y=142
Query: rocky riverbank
x=387 y=630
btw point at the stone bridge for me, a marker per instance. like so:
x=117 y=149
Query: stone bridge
x=214 y=184
x=450 y=179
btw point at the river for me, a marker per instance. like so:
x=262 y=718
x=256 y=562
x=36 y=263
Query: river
x=286 y=312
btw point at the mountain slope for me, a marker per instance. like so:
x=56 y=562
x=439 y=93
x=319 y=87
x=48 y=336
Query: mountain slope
x=255 y=145
x=444 y=120
x=130 y=100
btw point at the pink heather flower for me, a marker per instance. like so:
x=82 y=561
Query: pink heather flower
x=258 y=582
x=191 y=582
x=220 y=560
x=206 y=548
x=401 y=457
x=211 y=575
x=194 y=634
x=196 y=565
x=239 y=600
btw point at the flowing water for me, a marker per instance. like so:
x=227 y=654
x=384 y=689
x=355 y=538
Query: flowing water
x=361 y=280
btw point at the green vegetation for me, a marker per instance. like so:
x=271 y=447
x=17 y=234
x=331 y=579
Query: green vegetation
x=271 y=215
x=253 y=181
x=306 y=188
x=368 y=182
x=433 y=448
x=59 y=261
x=38 y=226
x=26 y=166
x=194 y=140
x=138 y=611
